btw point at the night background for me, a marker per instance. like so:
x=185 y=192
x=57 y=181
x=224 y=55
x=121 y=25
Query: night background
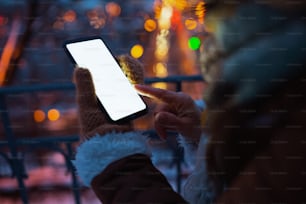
x=36 y=77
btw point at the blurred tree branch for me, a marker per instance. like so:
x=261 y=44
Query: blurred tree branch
x=16 y=43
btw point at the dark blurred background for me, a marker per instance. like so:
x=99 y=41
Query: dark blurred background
x=165 y=35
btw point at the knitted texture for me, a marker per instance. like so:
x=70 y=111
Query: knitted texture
x=132 y=68
x=92 y=120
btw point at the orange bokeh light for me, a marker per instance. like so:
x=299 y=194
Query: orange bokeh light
x=8 y=50
x=113 y=9
x=69 y=16
x=191 y=24
x=53 y=114
x=39 y=116
x=150 y=25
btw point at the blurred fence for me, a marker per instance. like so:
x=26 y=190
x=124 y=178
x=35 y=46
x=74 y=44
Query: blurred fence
x=11 y=146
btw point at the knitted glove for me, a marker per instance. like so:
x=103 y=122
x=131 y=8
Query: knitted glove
x=91 y=119
x=132 y=68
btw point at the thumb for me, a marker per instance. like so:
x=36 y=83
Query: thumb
x=90 y=115
x=86 y=96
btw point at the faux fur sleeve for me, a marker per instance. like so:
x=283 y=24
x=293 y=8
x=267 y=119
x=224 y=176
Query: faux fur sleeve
x=94 y=155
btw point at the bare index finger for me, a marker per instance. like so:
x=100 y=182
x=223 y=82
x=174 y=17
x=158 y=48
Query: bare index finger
x=156 y=93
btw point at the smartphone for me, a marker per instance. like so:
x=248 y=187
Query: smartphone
x=114 y=92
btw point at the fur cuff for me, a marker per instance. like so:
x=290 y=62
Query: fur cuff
x=94 y=155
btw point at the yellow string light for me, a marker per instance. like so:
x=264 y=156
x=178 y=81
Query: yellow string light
x=200 y=11
x=136 y=51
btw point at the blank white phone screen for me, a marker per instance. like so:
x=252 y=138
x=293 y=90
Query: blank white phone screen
x=115 y=92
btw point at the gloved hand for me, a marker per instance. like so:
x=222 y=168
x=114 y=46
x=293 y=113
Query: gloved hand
x=92 y=119
x=176 y=111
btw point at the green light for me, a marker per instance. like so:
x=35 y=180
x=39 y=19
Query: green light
x=194 y=43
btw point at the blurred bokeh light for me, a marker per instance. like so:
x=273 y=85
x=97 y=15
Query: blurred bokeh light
x=39 y=116
x=53 y=114
x=137 y=51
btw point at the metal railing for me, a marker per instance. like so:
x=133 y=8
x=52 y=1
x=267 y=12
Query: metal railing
x=64 y=144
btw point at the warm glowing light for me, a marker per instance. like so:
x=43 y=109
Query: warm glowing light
x=137 y=51
x=39 y=116
x=176 y=19
x=178 y=4
x=53 y=114
x=160 y=85
x=160 y=70
x=8 y=50
x=162 y=45
x=165 y=16
x=113 y=9
x=190 y=24
x=200 y=11
x=69 y=16
x=150 y=25
x=194 y=43
x=161 y=53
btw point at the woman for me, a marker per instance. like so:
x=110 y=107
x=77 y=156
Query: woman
x=255 y=151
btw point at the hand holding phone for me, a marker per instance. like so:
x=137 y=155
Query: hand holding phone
x=116 y=94
x=92 y=120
